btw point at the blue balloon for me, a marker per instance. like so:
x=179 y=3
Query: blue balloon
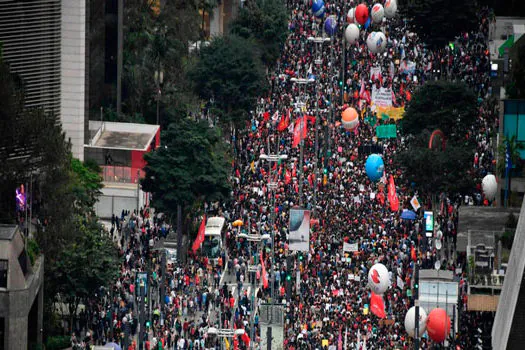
x=367 y=23
x=318 y=8
x=374 y=167
x=330 y=26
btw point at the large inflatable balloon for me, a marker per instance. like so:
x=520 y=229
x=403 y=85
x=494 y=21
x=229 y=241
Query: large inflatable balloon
x=378 y=279
x=410 y=321
x=376 y=42
x=390 y=8
x=330 y=25
x=350 y=118
x=490 y=186
x=350 y=17
x=352 y=33
x=318 y=8
x=382 y=41
x=374 y=167
x=378 y=12
x=361 y=13
x=438 y=325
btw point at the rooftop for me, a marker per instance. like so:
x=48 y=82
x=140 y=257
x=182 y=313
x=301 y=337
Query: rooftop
x=123 y=136
x=7 y=232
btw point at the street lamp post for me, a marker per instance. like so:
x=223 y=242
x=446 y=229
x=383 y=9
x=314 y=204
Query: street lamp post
x=159 y=80
x=301 y=81
x=253 y=238
x=272 y=185
x=318 y=61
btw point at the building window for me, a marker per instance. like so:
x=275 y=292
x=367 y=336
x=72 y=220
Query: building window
x=3 y=273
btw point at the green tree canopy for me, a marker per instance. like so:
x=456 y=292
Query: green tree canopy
x=516 y=86
x=86 y=263
x=265 y=22
x=193 y=165
x=230 y=72
x=451 y=107
x=438 y=22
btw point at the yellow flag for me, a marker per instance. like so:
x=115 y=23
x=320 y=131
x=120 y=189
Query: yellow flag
x=226 y=343
x=252 y=166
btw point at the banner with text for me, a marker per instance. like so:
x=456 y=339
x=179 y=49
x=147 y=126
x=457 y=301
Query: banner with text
x=382 y=97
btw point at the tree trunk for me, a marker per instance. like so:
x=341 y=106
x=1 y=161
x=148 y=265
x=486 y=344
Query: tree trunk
x=179 y=232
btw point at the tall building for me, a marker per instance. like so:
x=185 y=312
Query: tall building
x=44 y=42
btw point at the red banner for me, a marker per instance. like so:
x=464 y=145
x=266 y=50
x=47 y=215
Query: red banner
x=200 y=236
x=300 y=130
x=377 y=305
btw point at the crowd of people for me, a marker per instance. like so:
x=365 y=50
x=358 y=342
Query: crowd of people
x=331 y=304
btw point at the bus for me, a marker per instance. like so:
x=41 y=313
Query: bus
x=213 y=237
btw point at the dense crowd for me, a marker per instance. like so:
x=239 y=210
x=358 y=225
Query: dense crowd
x=331 y=304
x=332 y=298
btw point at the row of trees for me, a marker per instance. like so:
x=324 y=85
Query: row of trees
x=228 y=73
x=79 y=258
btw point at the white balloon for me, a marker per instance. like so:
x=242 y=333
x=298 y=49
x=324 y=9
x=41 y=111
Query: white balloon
x=376 y=42
x=381 y=41
x=390 y=8
x=352 y=33
x=378 y=279
x=490 y=186
x=370 y=42
x=350 y=17
x=410 y=321
x=378 y=13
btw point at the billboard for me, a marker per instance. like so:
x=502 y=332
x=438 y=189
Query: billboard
x=429 y=223
x=299 y=230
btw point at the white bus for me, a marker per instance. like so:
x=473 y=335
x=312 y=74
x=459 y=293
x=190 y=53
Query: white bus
x=213 y=237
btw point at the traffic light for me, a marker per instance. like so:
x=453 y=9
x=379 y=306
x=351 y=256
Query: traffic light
x=288 y=276
x=148 y=324
x=301 y=257
x=340 y=83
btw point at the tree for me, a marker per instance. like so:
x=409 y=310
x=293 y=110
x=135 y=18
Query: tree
x=438 y=22
x=516 y=86
x=87 y=263
x=451 y=108
x=156 y=42
x=515 y=149
x=230 y=72
x=193 y=165
x=265 y=22
x=86 y=185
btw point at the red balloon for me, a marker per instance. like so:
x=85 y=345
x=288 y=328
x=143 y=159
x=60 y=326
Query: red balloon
x=361 y=13
x=438 y=325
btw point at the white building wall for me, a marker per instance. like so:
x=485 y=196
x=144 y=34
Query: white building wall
x=73 y=73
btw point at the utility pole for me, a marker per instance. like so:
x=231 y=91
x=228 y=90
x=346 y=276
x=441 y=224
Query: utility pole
x=120 y=49
x=318 y=61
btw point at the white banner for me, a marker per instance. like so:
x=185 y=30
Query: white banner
x=400 y=283
x=382 y=97
x=350 y=247
x=375 y=72
x=299 y=230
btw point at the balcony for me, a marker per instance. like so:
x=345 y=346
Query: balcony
x=121 y=174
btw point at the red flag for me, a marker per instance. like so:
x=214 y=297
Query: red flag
x=200 y=236
x=377 y=305
x=287 y=177
x=246 y=339
x=300 y=130
x=285 y=121
x=413 y=253
x=264 y=277
x=408 y=95
x=266 y=116
x=235 y=343
x=392 y=195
